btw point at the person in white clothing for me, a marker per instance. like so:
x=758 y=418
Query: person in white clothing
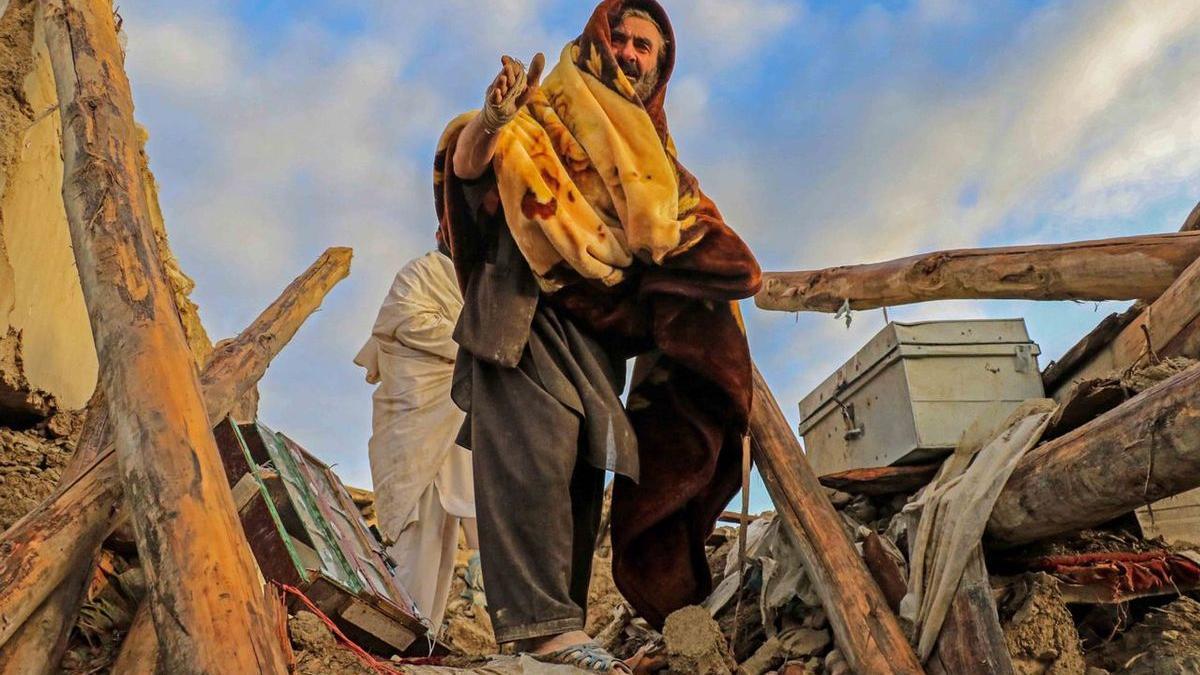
x=422 y=479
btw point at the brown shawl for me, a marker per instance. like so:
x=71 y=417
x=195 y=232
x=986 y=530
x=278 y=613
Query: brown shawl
x=690 y=399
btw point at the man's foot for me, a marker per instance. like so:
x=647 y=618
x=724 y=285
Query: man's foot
x=585 y=654
x=554 y=643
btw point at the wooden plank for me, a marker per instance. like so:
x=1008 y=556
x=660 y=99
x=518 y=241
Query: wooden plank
x=1056 y=374
x=865 y=629
x=885 y=570
x=1124 y=268
x=972 y=640
x=1169 y=327
x=880 y=481
x=1144 y=450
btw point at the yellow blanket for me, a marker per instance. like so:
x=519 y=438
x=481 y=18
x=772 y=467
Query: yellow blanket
x=585 y=179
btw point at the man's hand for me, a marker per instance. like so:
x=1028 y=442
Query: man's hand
x=510 y=91
x=505 y=96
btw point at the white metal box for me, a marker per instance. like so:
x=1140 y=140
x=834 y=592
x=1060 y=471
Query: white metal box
x=909 y=394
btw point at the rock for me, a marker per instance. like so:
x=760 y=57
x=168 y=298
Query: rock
x=839 y=499
x=816 y=619
x=835 y=664
x=801 y=642
x=861 y=509
x=309 y=633
x=695 y=644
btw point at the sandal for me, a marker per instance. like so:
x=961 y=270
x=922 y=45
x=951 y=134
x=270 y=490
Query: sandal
x=585 y=656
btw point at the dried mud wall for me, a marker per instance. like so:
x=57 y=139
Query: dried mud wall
x=47 y=355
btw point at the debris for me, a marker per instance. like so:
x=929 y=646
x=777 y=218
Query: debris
x=794 y=643
x=1166 y=641
x=849 y=596
x=695 y=644
x=1039 y=630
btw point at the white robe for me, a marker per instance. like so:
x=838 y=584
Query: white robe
x=410 y=354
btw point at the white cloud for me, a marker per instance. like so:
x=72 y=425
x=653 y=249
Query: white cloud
x=730 y=30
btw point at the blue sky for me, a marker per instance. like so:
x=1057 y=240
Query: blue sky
x=829 y=132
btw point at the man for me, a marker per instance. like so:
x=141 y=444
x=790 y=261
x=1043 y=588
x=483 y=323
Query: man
x=580 y=241
x=423 y=484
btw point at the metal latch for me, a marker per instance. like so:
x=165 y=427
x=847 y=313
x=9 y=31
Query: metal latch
x=854 y=430
x=1024 y=357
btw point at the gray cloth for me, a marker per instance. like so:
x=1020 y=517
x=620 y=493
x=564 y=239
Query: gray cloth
x=541 y=435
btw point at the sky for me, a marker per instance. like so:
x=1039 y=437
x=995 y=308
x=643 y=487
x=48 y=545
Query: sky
x=828 y=132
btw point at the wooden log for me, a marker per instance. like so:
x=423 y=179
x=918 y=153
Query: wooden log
x=40 y=643
x=66 y=531
x=879 y=481
x=972 y=640
x=865 y=629
x=205 y=592
x=1146 y=449
x=1170 y=326
x=1126 y=268
x=139 y=650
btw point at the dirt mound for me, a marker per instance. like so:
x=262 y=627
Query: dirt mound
x=1039 y=629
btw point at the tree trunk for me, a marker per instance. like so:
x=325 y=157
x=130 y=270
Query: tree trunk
x=39 y=644
x=866 y=630
x=1146 y=449
x=66 y=531
x=1126 y=268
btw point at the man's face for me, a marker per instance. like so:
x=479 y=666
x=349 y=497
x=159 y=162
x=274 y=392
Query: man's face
x=637 y=45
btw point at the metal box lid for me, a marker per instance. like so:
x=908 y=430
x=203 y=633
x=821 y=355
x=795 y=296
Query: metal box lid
x=928 y=338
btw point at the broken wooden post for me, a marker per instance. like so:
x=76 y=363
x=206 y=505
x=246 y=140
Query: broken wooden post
x=1057 y=377
x=1125 y=268
x=866 y=630
x=66 y=530
x=972 y=640
x=1170 y=326
x=1146 y=449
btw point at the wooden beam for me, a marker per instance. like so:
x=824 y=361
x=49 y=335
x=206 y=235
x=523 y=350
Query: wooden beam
x=205 y=593
x=1170 y=326
x=1058 y=372
x=883 y=480
x=65 y=532
x=1055 y=378
x=865 y=628
x=1126 y=268
x=1146 y=449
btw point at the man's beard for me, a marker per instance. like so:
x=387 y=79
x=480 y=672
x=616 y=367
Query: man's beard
x=644 y=84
